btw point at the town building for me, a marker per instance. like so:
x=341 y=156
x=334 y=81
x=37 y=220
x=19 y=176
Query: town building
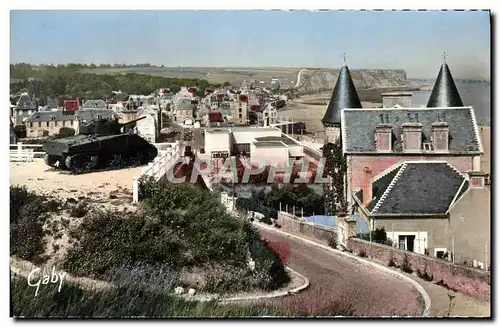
x=48 y=123
x=147 y=127
x=24 y=108
x=377 y=139
x=262 y=145
x=94 y=104
x=239 y=112
x=183 y=111
x=430 y=207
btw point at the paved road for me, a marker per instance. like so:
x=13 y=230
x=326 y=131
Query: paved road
x=335 y=277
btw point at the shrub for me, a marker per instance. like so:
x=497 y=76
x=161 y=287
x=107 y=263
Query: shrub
x=28 y=213
x=176 y=226
x=106 y=241
x=79 y=210
x=362 y=254
x=406 y=265
x=424 y=275
x=266 y=220
x=332 y=242
x=391 y=263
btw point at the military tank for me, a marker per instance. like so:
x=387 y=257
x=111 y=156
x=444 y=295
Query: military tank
x=99 y=144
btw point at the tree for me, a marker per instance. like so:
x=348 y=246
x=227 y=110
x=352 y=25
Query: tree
x=226 y=84
x=65 y=132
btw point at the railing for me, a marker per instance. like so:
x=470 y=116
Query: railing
x=25 y=152
x=159 y=167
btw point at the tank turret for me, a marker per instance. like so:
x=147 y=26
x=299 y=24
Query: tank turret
x=106 y=127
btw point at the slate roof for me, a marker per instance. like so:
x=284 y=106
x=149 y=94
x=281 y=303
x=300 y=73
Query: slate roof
x=445 y=92
x=25 y=103
x=93 y=104
x=184 y=105
x=44 y=116
x=359 y=125
x=344 y=96
x=83 y=114
x=92 y=114
x=416 y=188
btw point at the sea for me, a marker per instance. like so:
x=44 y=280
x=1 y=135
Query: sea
x=477 y=95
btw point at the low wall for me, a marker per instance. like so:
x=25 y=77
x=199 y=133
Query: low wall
x=158 y=167
x=467 y=280
x=290 y=223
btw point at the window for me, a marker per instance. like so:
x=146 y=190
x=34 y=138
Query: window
x=56 y=123
x=39 y=124
x=406 y=242
x=47 y=124
x=427 y=146
x=31 y=124
x=440 y=253
x=64 y=123
x=240 y=116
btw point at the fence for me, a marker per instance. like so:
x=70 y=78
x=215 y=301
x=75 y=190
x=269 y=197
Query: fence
x=25 y=152
x=159 y=167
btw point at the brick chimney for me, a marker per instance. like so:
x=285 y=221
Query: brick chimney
x=412 y=134
x=383 y=136
x=440 y=134
x=477 y=179
x=367 y=186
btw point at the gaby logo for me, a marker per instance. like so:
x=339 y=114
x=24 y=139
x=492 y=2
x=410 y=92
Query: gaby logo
x=36 y=278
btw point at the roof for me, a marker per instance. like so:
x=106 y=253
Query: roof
x=269 y=144
x=25 y=103
x=344 y=96
x=416 y=188
x=43 y=116
x=215 y=117
x=284 y=139
x=184 y=105
x=358 y=127
x=91 y=114
x=94 y=104
x=444 y=93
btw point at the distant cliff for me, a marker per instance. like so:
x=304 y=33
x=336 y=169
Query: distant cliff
x=317 y=80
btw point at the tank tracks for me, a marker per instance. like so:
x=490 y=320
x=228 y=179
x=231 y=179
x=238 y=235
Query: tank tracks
x=82 y=164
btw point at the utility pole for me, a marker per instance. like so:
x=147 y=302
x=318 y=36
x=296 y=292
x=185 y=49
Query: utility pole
x=486 y=256
x=453 y=249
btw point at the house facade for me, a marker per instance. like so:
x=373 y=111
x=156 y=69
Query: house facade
x=429 y=207
x=24 y=108
x=48 y=123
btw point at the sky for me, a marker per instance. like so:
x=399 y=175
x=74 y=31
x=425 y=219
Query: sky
x=413 y=41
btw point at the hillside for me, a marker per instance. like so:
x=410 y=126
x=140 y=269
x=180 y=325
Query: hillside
x=317 y=80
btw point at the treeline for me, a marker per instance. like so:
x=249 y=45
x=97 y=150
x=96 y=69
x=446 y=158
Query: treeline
x=67 y=81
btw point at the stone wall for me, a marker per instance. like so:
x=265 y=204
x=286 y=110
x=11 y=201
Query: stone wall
x=290 y=223
x=474 y=282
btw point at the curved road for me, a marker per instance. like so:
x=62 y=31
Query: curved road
x=335 y=277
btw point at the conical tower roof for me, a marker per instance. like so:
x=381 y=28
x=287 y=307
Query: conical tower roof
x=344 y=96
x=445 y=92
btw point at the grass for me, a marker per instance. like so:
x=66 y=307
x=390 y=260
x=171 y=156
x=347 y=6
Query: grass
x=121 y=302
